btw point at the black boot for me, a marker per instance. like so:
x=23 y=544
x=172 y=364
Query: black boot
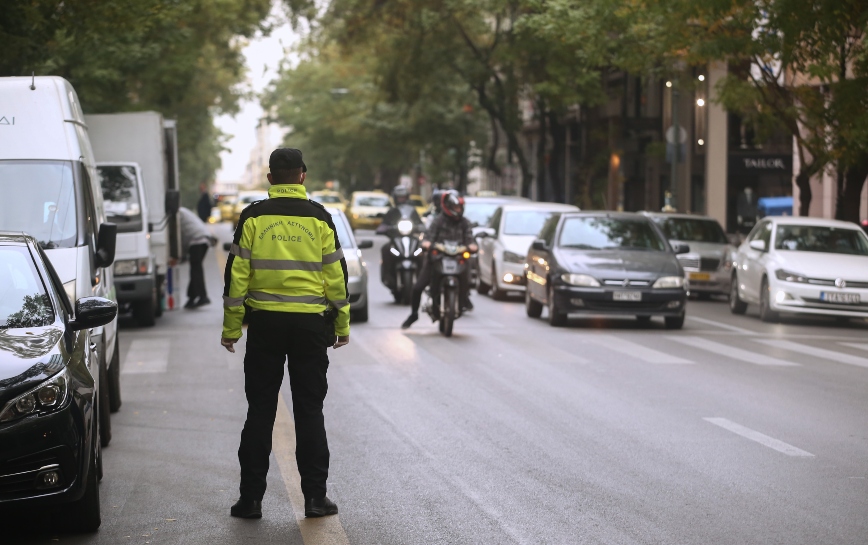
x=247 y=509
x=410 y=321
x=319 y=508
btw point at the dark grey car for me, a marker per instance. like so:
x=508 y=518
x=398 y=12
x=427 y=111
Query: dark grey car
x=605 y=263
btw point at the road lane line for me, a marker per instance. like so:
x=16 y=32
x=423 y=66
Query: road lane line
x=722 y=325
x=146 y=356
x=839 y=357
x=760 y=438
x=315 y=531
x=635 y=350
x=730 y=351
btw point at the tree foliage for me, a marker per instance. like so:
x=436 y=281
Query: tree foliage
x=181 y=58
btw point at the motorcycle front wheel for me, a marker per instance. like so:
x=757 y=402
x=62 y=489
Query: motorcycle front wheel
x=450 y=311
x=406 y=287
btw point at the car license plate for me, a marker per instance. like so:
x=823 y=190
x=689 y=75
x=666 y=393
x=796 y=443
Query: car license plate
x=843 y=298
x=703 y=277
x=627 y=295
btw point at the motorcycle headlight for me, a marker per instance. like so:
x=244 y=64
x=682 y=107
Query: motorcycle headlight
x=669 y=282
x=582 y=280
x=788 y=276
x=405 y=227
x=354 y=267
x=127 y=267
x=45 y=398
x=69 y=288
x=512 y=257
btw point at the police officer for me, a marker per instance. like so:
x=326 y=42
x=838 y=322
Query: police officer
x=286 y=262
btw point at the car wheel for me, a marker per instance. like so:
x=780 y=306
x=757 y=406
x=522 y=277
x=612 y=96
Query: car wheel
x=674 y=322
x=114 y=378
x=766 y=312
x=84 y=514
x=481 y=287
x=736 y=305
x=496 y=293
x=145 y=312
x=532 y=306
x=105 y=422
x=360 y=316
x=161 y=295
x=556 y=317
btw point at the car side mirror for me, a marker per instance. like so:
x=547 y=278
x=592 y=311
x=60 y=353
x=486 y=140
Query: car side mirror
x=106 y=243
x=173 y=201
x=93 y=312
x=679 y=247
x=539 y=244
x=758 y=245
x=365 y=244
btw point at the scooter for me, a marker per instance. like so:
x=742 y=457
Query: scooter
x=404 y=239
x=449 y=260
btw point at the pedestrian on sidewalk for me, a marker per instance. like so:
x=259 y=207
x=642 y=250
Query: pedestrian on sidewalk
x=286 y=262
x=195 y=240
x=203 y=207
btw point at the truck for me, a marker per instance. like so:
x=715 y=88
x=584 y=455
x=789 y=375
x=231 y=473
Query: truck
x=137 y=164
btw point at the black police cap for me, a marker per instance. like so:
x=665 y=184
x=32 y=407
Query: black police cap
x=286 y=159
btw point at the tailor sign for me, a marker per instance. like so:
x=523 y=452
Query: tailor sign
x=760 y=164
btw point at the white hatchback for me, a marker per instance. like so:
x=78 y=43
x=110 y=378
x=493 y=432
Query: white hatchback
x=802 y=266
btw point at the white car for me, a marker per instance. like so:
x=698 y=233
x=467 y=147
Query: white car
x=802 y=266
x=357 y=270
x=505 y=241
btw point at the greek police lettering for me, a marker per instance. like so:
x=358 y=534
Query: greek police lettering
x=286 y=238
x=269 y=228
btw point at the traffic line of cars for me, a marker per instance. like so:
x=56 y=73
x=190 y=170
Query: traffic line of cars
x=647 y=264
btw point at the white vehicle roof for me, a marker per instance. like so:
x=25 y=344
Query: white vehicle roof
x=819 y=222
x=544 y=206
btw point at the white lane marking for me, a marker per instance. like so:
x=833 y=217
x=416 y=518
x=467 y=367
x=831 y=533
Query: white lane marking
x=760 y=438
x=315 y=531
x=147 y=356
x=635 y=350
x=839 y=357
x=721 y=325
x=731 y=352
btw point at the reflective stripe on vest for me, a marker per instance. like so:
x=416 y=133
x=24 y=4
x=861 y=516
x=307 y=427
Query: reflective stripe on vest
x=333 y=257
x=284 y=265
x=275 y=298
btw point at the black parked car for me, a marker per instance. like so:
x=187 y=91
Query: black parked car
x=49 y=385
x=606 y=263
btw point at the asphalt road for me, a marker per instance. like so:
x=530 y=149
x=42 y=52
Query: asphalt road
x=730 y=431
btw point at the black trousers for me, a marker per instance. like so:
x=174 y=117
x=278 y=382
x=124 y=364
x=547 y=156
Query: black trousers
x=196 y=289
x=428 y=274
x=273 y=338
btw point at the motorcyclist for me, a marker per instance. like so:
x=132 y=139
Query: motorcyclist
x=401 y=209
x=450 y=225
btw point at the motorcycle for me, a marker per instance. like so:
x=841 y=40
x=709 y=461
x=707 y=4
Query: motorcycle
x=449 y=260
x=404 y=245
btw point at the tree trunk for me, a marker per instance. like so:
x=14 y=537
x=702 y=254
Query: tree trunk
x=557 y=176
x=541 y=163
x=803 y=182
x=849 y=200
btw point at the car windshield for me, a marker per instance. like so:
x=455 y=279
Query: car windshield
x=524 y=222
x=692 y=230
x=121 y=194
x=23 y=300
x=381 y=202
x=592 y=233
x=480 y=212
x=39 y=199
x=341 y=229
x=821 y=239
x=247 y=199
x=328 y=199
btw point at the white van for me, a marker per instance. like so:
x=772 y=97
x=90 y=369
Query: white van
x=51 y=191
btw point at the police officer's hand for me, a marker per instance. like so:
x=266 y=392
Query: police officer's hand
x=342 y=341
x=229 y=344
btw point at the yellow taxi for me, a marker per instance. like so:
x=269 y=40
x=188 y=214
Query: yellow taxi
x=245 y=199
x=367 y=208
x=227 y=207
x=419 y=204
x=330 y=199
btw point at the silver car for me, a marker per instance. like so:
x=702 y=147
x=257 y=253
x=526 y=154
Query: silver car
x=708 y=265
x=357 y=270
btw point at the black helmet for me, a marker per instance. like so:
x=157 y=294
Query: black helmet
x=435 y=199
x=400 y=194
x=452 y=204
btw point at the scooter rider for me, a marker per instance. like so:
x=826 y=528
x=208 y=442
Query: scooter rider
x=450 y=225
x=402 y=209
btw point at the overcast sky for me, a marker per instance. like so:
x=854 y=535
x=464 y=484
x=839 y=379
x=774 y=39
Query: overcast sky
x=263 y=56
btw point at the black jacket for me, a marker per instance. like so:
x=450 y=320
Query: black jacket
x=444 y=228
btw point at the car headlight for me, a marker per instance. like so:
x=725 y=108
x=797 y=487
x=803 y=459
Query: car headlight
x=788 y=276
x=45 y=398
x=582 y=280
x=69 y=288
x=669 y=282
x=127 y=267
x=512 y=257
x=405 y=227
x=354 y=267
